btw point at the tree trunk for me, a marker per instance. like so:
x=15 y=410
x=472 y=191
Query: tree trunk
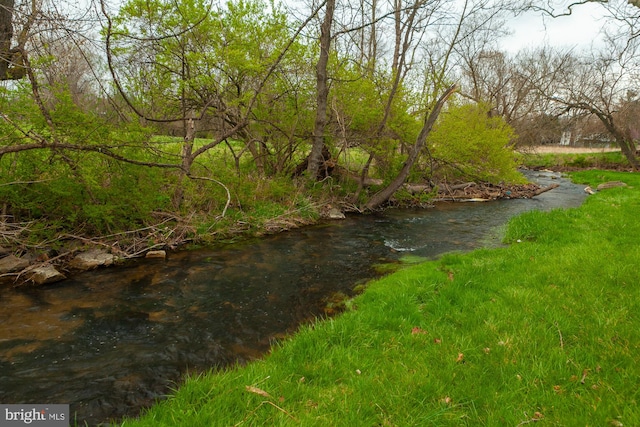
x=6 y=34
x=253 y=145
x=362 y=178
x=629 y=151
x=187 y=159
x=398 y=70
x=322 y=86
x=626 y=145
x=383 y=195
x=545 y=189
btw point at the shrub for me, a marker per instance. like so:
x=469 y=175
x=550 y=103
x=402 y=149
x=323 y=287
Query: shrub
x=468 y=143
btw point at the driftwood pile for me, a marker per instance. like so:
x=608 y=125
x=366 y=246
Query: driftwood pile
x=474 y=192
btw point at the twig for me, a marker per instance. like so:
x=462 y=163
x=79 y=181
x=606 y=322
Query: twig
x=536 y=417
x=25 y=182
x=560 y=334
x=226 y=206
x=91 y=241
x=131 y=247
x=157 y=245
x=39 y=264
x=124 y=233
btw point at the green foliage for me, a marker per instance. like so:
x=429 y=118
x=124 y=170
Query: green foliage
x=73 y=124
x=579 y=161
x=358 y=102
x=359 y=99
x=87 y=193
x=74 y=191
x=595 y=177
x=83 y=191
x=469 y=144
x=214 y=60
x=219 y=55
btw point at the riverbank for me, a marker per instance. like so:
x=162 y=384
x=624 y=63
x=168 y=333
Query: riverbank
x=40 y=252
x=69 y=254
x=542 y=330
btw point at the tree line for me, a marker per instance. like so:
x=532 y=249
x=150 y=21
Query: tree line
x=420 y=89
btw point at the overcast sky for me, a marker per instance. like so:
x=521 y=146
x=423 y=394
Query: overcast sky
x=579 y=29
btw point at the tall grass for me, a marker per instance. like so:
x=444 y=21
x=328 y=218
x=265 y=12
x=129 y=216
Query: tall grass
x=91 y=195
x=545 y=330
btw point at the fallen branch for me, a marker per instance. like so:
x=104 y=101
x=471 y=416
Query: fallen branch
x=545 y=189
x=453 y=199
x=40 y=264
x=465 y=185
x=226 y=206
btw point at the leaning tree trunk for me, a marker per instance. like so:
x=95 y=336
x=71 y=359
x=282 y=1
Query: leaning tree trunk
x=625 y=143
x=629 y=150
x=383 y=195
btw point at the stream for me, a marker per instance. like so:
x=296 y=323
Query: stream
x=113 y=341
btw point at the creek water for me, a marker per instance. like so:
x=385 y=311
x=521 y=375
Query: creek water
x=113 y=341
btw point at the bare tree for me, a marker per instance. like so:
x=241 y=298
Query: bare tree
x=597 y=84
x=493 y=77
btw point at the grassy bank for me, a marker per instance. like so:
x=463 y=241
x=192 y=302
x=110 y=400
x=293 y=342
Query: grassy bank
x=555 y=157
x=546 y=329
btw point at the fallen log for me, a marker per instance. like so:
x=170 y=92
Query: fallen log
x=544 y=189
x=453 y=199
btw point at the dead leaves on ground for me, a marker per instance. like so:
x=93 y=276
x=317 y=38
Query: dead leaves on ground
x=418 y=331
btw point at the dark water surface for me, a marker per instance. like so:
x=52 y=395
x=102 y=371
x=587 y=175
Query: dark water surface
x=112 y=341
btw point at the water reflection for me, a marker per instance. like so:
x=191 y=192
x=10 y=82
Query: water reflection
x=112 y=341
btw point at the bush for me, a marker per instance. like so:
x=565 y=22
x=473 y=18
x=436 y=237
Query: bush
x=468 y=143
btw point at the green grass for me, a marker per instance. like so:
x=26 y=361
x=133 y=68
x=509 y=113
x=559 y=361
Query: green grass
x=546 y=329
x=605 y=160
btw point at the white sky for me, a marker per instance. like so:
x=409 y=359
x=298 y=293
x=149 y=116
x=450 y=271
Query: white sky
x=577 y=30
